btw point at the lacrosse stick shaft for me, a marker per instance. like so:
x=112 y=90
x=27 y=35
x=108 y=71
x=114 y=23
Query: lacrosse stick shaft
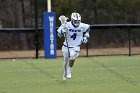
x=67 y=45
x=63 y=21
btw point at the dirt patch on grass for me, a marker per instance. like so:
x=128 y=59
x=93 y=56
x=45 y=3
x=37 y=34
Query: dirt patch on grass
x=83 y=52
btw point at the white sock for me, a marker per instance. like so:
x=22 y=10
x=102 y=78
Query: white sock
x=69 y=69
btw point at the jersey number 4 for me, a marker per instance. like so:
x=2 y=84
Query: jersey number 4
x=74 y=36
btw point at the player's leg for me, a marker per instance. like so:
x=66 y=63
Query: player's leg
x=71 y=63
x=69 y=69
x=73 y=55
x=65 y=55
x=66 y=58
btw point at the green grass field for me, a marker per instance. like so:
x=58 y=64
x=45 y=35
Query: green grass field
x=108 y=74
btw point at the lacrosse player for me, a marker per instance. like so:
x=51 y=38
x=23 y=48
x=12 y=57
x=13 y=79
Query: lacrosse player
x=75 y=33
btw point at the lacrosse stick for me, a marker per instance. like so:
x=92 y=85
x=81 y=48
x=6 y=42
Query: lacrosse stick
x=63 y=21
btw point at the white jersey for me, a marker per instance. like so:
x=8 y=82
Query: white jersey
x=74 y=35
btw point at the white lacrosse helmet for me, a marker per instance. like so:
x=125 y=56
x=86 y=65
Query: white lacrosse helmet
x=75 y=19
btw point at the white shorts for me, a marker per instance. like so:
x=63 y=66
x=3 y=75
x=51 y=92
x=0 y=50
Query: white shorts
x=74 y=52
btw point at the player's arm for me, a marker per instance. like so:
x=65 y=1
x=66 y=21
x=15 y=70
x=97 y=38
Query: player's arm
x=61 y=30
x=86 y=35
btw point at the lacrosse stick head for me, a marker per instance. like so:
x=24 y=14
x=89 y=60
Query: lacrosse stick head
x=63 y=20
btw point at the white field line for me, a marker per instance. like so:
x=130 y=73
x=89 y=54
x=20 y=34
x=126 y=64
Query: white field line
x=27 y=81
x=109 y=67
x=33 y=70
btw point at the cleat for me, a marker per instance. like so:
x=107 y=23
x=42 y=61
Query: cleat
x=64 y=77
x=69 y=76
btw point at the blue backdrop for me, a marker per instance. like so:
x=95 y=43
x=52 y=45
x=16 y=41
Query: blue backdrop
x=50 y=34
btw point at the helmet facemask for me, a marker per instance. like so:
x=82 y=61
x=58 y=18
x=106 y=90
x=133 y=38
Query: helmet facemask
x=76 y=19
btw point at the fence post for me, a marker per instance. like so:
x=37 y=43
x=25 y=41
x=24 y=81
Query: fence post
x=129 y=39
x=87 y=49
x=36 y=27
